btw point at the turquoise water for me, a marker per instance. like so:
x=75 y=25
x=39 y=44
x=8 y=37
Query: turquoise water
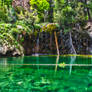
x=44 y=74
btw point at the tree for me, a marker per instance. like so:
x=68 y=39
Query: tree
x=5 y=2
x=41 y=6
x=50 y=11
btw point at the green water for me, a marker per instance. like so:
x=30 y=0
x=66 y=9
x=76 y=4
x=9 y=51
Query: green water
x=15 y=76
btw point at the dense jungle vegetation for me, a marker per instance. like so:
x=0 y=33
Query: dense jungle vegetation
x=45 y=26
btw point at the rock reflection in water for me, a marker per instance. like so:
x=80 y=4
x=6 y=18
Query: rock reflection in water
x=7 y=64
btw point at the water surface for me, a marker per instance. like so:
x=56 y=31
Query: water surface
x=46 y=74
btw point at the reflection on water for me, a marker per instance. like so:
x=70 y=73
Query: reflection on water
x=5 y=63
x=44 y=74
x=72 y=61
x=57 y=61
x=41 y=61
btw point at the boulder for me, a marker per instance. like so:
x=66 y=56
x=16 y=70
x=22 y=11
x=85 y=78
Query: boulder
x=10 y=50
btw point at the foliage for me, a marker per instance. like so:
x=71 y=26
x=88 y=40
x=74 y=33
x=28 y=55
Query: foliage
x=68 y=13
x=3 y=14
x=5 y=2
x=41 y=6
x=7 y=14
x=11 y=33
x=50 y=27
x=16 y=23
x=90 y=6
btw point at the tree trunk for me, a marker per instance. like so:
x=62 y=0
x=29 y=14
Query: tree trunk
x=50 y=12
x=88 y=12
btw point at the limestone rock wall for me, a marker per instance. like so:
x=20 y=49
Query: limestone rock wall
x=23 y=3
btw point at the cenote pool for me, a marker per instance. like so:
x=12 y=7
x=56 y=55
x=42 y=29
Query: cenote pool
x=46 y=74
